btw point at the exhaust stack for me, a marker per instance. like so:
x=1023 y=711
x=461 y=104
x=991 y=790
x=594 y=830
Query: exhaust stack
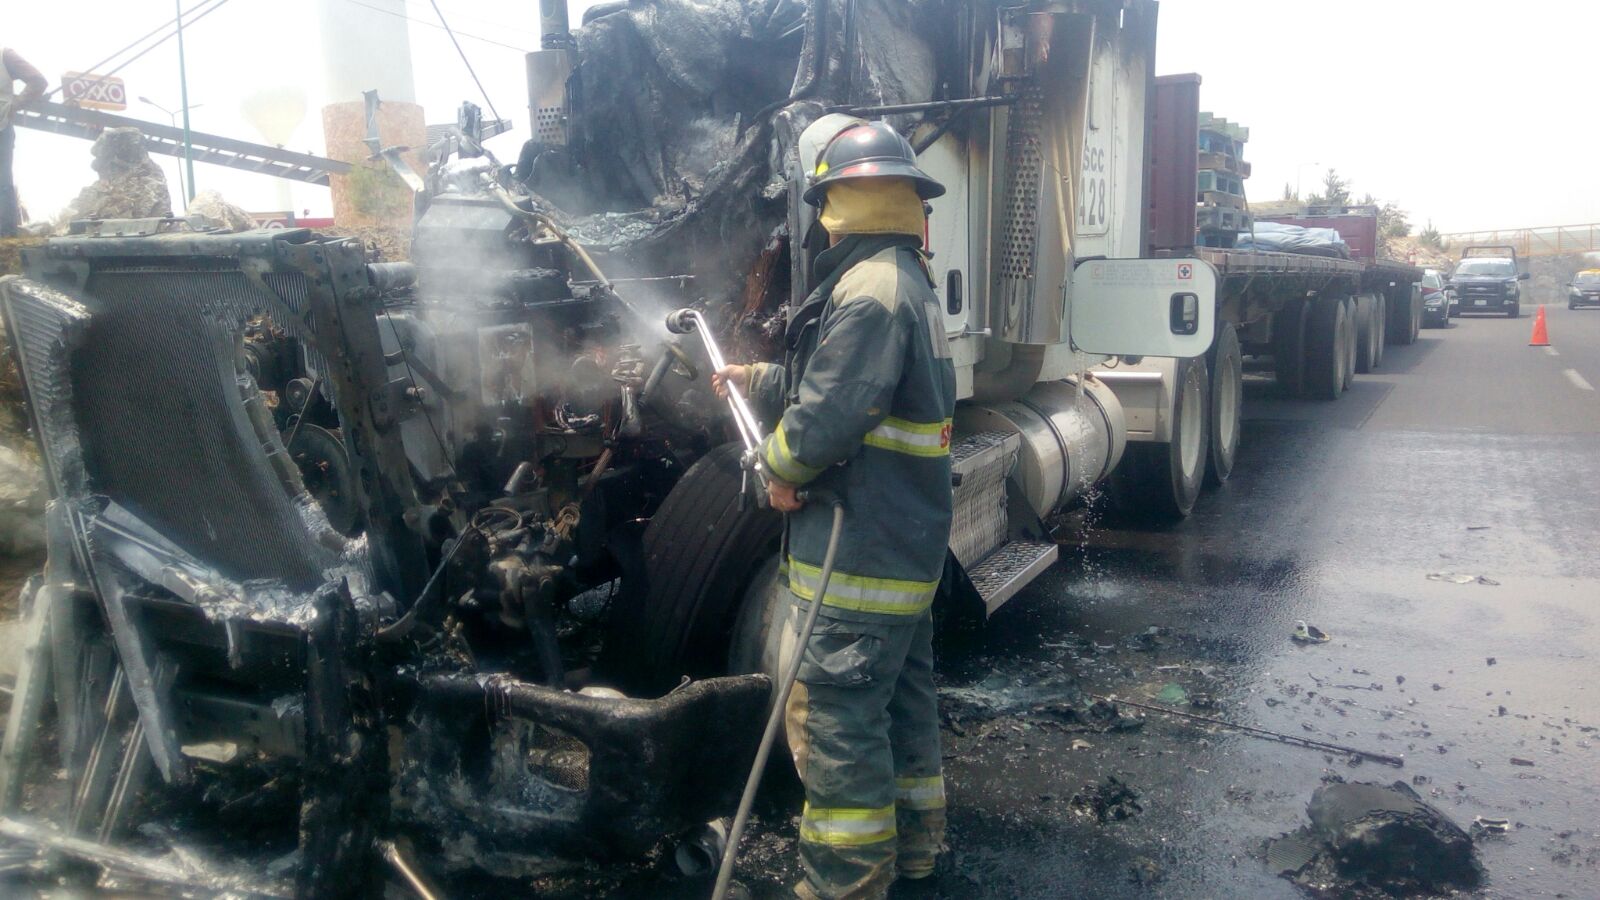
x=548 y=70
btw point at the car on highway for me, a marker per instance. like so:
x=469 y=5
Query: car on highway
x=1584 y=289
x=1488 y=284
x=1438 y=300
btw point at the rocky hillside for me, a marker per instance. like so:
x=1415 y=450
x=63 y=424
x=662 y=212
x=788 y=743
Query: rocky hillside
x=21 y=481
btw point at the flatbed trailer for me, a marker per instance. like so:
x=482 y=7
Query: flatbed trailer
x=1321 y=320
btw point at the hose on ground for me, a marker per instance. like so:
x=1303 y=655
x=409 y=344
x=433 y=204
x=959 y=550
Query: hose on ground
x=730 y=854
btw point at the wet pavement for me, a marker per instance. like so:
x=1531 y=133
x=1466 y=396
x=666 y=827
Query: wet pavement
x=1470 y=454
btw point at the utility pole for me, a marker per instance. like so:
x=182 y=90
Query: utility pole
x=1298 y=171
x=183 y=89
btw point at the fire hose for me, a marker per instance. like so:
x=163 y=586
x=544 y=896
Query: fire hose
x=682 y=322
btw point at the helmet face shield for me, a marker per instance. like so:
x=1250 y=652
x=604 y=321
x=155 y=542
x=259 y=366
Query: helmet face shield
x=869 y=150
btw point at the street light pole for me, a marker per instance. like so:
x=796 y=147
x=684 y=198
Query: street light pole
x=172 y=119
x=183 y=89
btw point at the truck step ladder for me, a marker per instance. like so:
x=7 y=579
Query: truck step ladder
x=1009 y=569
x=58 y=118
x=999 y=559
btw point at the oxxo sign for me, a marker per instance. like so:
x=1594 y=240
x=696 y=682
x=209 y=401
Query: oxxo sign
x=94 y=91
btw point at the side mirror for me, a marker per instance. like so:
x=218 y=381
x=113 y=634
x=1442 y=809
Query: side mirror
x=1143 y=307
x=1524 y=276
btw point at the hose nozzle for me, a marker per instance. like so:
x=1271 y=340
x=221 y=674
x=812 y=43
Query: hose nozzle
x=681 y=321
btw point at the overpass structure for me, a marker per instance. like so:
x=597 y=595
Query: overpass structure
x=1551 y=240
x=59 y=118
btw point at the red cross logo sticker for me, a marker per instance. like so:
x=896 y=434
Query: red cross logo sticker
x=1185 y=271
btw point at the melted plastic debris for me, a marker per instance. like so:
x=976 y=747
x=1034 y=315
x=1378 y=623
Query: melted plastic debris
x=1371 y=840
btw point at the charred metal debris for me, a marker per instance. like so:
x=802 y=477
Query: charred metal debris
x=344 y=551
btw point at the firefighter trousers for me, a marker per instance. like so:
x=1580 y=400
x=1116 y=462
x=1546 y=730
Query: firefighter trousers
x=863 y=725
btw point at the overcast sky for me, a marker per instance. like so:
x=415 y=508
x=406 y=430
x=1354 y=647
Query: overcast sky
x=1465 y=112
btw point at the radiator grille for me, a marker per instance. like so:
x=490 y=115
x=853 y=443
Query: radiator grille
x=40 y=321
x=164 y=431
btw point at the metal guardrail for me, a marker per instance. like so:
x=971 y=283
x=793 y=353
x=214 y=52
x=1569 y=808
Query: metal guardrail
x=1550 y=240
x=58 y=118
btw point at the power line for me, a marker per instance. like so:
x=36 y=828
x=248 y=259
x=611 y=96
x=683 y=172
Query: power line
x=435 y=25
x=466 y=62
x=457 y=14
x=185 y=16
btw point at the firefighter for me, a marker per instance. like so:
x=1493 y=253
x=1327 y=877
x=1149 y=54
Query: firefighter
x=866 y=396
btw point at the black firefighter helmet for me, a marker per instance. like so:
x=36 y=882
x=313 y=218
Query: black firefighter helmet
x=869 y=150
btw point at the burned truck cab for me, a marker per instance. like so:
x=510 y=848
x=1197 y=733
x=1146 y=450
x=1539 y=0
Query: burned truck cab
x=204 y=623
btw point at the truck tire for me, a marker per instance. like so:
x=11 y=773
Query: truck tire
x=1405 y=316
x=757 y=638
x=1227 y=400
x=1327 y=336
x=701 y=551
x=1352 y=316
x=1380 y=320
x=1288 y=347
x=1514 y=311
x=1163 y=480
x=1369 y=336
x=1413 y=324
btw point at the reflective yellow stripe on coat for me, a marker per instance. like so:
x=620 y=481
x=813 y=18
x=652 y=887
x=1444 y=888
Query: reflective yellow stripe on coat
x=847 y=827
x=781 y=462
x=860 y=593
x=920 y=793
x=913 y=438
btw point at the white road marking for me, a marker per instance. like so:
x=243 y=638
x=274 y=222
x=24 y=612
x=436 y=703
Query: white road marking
x=1577 y=380
x=1552 y=351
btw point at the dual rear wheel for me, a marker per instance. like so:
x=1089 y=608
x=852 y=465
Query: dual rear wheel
x=1165 y=479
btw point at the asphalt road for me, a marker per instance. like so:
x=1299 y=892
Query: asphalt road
x=1470 y=453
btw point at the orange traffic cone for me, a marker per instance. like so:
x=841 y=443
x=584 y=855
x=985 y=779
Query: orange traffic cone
x=1541 y=338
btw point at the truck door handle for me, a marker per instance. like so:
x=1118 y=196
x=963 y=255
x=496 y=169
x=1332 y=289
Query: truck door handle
x=1185 y=313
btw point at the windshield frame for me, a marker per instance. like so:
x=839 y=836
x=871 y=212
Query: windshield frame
x=1487 y=266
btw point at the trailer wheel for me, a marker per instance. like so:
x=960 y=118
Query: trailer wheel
x=1369 y=336
x=1326 y=343
x=701 y=552
x=1288 y=347
x=1227 y=399
x=1405 y=316
x=1352 y=315
x=1380 y=323
x=1163 y=480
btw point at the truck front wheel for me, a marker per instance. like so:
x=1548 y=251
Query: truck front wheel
x=702 y=551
